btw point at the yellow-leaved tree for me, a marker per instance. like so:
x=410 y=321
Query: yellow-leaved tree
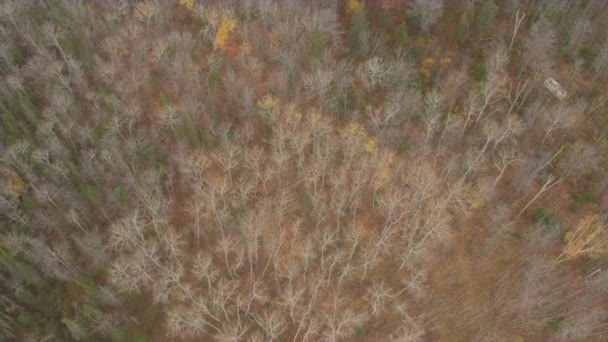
x=353 y=6
x=14 y=185
x=588 y=238
x=228 y=25
x=189 y=4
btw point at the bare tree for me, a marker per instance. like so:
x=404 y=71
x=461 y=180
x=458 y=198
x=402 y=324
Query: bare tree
x=518 y=20
x=273 y=324
x=562 y=117
x=548 y=184
x=579 y=34
x=427 y=12
x=540 y=46
x=229 y=159
x=494 y=87
x=472 y=108
x=340 y=320
x=505 y=159
x=318 y=82
x=516 y=99
x=580 y=159
x=431 y=114
x=600 y=64
x=373 y=72
x=379 y=297
x=187 y=322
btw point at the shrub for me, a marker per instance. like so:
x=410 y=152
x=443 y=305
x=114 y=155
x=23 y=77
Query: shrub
x=543 y=216
x=401 y=35
x=358 y=25
x=121 y=195
x=345 y=102
x=540 y=215
x=595 y=92
x=518 y=235
x=556 y=323
x=28 y=202
x=10 y=123
x=76 y=330
x=209 y=140
x=72 y=44
x=92 y=194
x=580 y=198
x=403 y=144
x=575 y=206
x=190 y=130
x=314 y=44
x=546 y=221
x=101 y=127
x=434 y=74
x=459 y=32
x=464 y=22
x=30 y=111
x=587 y=264
x=360 y=332
x=468 y=15
x=487 y=16
x=385 y=21
x=306 y=203
x=565 y=55
x=587 y=55
x=414 y=53
x=479 y=72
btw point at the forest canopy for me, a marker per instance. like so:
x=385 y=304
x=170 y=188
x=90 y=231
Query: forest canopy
x=268 y=170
